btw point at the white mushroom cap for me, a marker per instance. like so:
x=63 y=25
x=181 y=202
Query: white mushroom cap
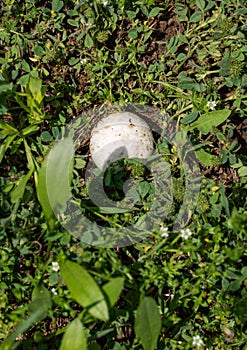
x=120 y=135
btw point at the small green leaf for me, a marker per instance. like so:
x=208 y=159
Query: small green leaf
x=147 y=35
x=132 y=33
x=84 y=289
x=210 y=4
x=196 y=17
x=38 y=50
x=144 y=10
x=235 y=285
x=207 y=158
x=242 y=171
x=73 y=61
x=144 y=188
x=46 y=136
x=186 y=83
x=80 y=163
x=88 y=41
x=132 y=14
x=57 y=5
x=154 y=12
x=74 y=337
x=182 y=57
x=34 y=74
x=210 y=120
x=72 y=13
x=225 y=284
x=25 y=66
x=24 y=79
x=201 y=4
x=73 y=23
x=189 y=118
x=148 y=323
x=18 y=192
x=113 y=289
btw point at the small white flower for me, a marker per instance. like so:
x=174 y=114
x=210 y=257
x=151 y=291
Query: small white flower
x=164 y=232
x=197 y=341
x=105 y=3
x=54 y=291
x=185 y=234
x=211 y=105
x=83 y=60
x=55 y=266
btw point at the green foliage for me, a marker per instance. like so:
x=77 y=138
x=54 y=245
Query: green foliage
x=208 y=121
x=43 y=196
x=207 y=158
x=34 y=93
x=187 y=58
x=37 y=309
x=75 y=335
x=113 y=290
x=148 y=323
x=58 y=170
x=84 y=290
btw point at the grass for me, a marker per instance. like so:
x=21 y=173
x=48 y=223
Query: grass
x=173 y=289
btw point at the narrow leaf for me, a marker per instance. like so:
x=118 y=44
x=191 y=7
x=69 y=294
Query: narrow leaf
x=42 y=194
x=58 y=173
x=148 y=323
x=18 y=192
x=74 y=337
x=113 y=210
x=7 y=129
x=6 y=143
x=29 y=155
x=20 y=102
x=84 y=289
x=30 y=130
x=224 y=200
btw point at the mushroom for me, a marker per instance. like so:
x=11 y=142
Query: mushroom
x=120 y=135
